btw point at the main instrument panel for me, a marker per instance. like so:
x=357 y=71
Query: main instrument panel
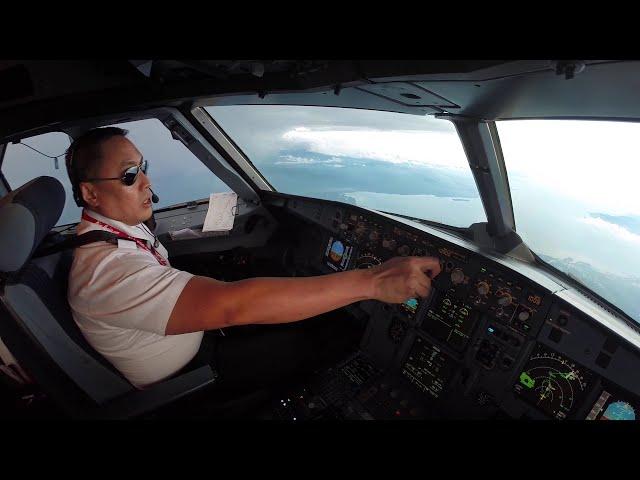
x=489 y=342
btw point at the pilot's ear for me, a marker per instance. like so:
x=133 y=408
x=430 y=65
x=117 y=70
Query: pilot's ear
x=89 y=194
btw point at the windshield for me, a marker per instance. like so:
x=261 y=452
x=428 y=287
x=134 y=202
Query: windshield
x=575 y=200
x=406 y=164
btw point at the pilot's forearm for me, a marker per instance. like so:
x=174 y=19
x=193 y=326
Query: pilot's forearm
x=207 y=304
x=283 y=300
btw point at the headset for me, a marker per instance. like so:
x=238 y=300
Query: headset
x=73 y=176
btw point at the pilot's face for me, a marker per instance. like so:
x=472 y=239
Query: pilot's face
x=112 y=198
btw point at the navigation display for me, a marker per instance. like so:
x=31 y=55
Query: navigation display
x=337 y=254
x=553 y=383
x=428 y=368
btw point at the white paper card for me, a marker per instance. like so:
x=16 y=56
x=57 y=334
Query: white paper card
x=221 y=213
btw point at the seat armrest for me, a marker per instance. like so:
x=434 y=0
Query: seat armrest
x=142 y=401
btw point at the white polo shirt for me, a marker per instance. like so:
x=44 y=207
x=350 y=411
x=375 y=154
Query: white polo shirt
x=121 y=297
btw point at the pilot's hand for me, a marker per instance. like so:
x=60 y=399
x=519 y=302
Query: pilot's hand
x=402 y=278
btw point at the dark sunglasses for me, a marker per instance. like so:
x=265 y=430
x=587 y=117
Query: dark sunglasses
x=129 y=176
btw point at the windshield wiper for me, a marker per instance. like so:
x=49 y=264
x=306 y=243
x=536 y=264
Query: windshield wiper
x=577 y=283
x=461 y=231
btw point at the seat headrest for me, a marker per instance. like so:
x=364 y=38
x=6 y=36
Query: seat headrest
x=27 y=214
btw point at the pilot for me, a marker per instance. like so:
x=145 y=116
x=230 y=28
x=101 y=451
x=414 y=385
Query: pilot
x=148 y=319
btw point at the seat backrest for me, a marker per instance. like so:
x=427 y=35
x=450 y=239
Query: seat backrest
x=36 y=321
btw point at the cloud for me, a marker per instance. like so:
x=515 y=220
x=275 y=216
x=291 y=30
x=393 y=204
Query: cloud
x=612 y=229
x=295 y=160
x=440 y=149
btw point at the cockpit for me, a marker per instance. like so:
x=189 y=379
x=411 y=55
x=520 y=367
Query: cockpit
x=518 y=176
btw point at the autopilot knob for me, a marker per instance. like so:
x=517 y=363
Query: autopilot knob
x=457 y=276
x=524 y=316
x=505 y=300
x=483 y=288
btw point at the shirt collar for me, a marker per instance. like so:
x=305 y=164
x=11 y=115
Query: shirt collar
x=138 y=231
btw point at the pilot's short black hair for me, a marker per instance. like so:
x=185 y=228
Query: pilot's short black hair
x=84 y=155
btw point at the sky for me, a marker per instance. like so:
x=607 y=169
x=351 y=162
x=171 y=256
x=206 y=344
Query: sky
x=573 y=183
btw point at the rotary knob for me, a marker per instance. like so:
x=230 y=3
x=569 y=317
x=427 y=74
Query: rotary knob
x=524 y=316
x=505 y=300
x=404 y=250
x=373 y=236
x=483 y=288
x=457 y=276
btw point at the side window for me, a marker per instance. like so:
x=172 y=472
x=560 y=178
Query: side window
x=176 y=174
x=22 y=164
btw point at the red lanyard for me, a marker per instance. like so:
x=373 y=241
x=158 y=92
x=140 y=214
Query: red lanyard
x=124 y=236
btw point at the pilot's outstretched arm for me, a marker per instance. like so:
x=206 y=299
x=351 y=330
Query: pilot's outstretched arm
x=207 y=304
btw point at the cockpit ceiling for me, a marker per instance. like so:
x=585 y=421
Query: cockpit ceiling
x=34 y=91
x=601 y=90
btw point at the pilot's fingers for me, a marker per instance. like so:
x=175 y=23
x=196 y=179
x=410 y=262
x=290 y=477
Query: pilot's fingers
x=423 y=291
x=429 y=265
x=421 y=285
